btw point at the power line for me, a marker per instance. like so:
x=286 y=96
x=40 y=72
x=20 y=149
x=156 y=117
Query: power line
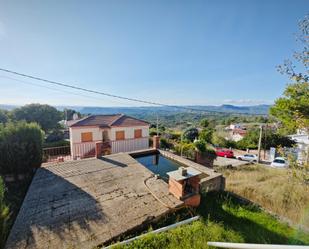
x=88 y=90
x=108 y=94
x=52 y=88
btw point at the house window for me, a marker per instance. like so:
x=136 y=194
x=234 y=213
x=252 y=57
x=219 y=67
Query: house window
x=120 y=135
x=138 y=133
x=86 y=136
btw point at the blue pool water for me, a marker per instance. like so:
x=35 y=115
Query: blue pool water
x=158 y=164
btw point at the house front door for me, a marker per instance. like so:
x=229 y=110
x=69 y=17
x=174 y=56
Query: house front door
x=105 y=136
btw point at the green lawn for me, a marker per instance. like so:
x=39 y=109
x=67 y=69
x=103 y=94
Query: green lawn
x=224 y=219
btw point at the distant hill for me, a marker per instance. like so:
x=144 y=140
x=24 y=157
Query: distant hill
x=251 y=110
x=7 y=107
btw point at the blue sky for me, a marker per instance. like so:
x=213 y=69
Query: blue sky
x=175 y=52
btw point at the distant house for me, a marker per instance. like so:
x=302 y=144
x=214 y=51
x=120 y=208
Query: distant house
x=302 y=142
x=236 y=132
x=119 y=133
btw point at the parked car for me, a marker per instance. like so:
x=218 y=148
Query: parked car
x=279 y=162
x=225 y=153
x=248 y=157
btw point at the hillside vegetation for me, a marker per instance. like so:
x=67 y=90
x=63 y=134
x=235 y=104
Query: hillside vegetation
x=276 y=190
x=224 y=218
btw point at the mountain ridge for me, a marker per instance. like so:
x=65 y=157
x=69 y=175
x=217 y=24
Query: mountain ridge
x=225 y=108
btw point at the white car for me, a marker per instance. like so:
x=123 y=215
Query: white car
x=248 y=157
x=279 y=162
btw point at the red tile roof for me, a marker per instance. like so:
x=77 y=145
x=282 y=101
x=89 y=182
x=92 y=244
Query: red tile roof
x=110 y=121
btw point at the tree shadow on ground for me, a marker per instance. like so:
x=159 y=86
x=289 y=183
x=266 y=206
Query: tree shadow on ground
x=55 y=213
x=213 y=208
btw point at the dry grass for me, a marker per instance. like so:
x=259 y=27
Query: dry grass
x=275 y=190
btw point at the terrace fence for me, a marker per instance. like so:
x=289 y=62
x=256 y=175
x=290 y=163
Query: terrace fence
x=87 y=150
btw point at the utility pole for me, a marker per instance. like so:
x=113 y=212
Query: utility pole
x=181 y=137
x=260 y=141
x=265 y=138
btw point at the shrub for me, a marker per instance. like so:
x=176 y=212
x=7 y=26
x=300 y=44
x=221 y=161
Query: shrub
x=20 y=148
x=187 y=149
x=210 y=153
x=190 y=134
x=206 y=135
x=55 y=136
x=200 y=145
x=222 y=142
x=250 y=141
x=56 y=144
x=4 y=215
x=164 y=144
x=204 y=123
x=173 y=135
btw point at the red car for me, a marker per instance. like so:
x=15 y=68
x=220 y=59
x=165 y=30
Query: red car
x=225 y=153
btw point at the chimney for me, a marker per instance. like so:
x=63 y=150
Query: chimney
x=156 y=142
x=98 y=149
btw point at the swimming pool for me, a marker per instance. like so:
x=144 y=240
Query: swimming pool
x=158 y=164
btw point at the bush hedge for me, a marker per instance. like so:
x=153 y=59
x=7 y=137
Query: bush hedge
x=4 y=215
x=20 y=148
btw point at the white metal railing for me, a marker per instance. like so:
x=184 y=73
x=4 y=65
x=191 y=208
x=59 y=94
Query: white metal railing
x=83 y=150
x=253 y=246
x=87 y=149
x=129 y=145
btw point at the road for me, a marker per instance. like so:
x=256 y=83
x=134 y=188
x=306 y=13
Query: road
x=224 y=162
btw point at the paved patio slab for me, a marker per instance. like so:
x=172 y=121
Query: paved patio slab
x=80 y=204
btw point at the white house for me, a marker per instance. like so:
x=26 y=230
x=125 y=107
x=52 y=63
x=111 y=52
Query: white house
x=235 y=126
x=119 y=133
x=302 y=141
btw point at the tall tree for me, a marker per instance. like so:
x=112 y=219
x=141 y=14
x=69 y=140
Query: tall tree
x=292 y=109
x=3 y=117
x=190 y=134
x=45 y=115
x=68 y=114
x=204 y=123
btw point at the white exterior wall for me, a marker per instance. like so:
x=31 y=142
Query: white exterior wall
x=75 y=139
x=129 y=131
x=130 y=144
x=75 y=133
x=117 y=146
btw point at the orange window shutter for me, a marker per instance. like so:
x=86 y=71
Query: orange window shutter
x=138 y=133
x=86 y=137
x=120 y=135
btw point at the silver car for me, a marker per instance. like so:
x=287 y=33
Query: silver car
x=248 y=157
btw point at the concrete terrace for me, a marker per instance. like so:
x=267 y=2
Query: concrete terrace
x=80 y=204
